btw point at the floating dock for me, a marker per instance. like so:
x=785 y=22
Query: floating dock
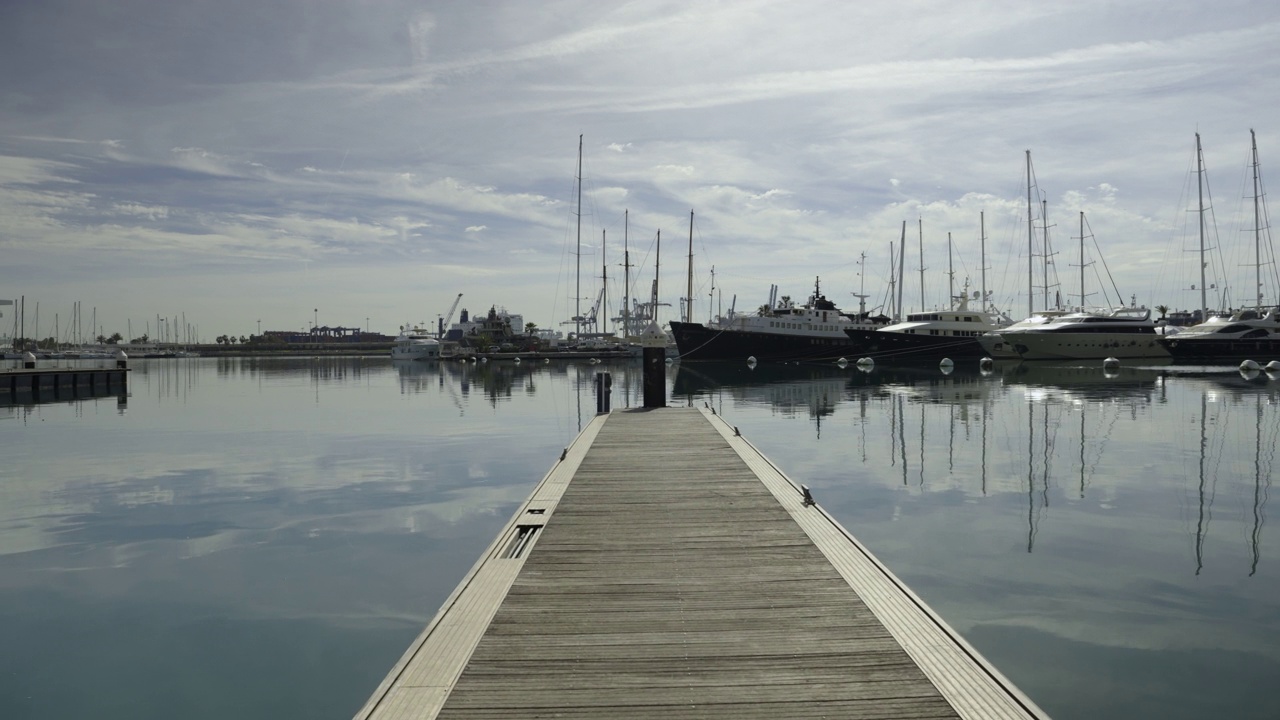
x=664 y=568
x=31 y=385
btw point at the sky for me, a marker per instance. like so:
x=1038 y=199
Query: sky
x=360 y=163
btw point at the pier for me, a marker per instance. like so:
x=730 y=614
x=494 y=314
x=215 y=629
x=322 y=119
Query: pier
x=664 y=568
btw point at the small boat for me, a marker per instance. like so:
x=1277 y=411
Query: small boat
x=415 y=343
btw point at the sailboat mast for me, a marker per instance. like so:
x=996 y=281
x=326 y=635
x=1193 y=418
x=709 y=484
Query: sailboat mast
x=1204 y=302
x=1081 y=259
x=657 y=271
x=626 y=275
x=577 y=291
x=902 y=261
x=1031 y=244
x=604 y=282
x=951 y=271
x=921 y=223
x=688 y=309
x=893 y=282
x=1044 y=220
x=1257 y=222
x=982 y=249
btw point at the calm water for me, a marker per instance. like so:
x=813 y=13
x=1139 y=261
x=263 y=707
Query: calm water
x=263 y=538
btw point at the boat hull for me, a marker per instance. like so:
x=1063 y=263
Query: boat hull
x=1210 y=350
x=699 y=342
x=1086 y=346
x=907 y=347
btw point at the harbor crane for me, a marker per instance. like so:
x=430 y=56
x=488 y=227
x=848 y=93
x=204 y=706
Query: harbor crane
x=444 y=321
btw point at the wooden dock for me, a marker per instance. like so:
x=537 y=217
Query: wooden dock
x=664 y=568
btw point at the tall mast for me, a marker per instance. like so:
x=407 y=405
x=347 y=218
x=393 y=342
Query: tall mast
x=951 y=271
x=1081 y=259
x=1257 y=222
x=1204 y=302
x=657 y=269
x=711 y=297
x=688 y=296
x=902 y=261
x=893 y=282
x=604 y=282
x=626 y=275
x=982 y=248
x=577 y=292
x=1044 y=247
x=862 y=284
x=1031 y=243
x=921 y=222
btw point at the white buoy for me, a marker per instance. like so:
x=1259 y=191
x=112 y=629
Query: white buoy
x=546 y=361
x=986 y=363
x=947 y=363
x=1273 y=366
x=843 y=363
x=1250 y=365
x=517 y=361
x=751 y=359
x=865 y=364
x=669 y=361
x=1111 y=363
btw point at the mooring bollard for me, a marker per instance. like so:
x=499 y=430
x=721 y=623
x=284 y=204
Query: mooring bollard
x=604 y=388
x=28 y=361
x=654 y=344
x=122 y=360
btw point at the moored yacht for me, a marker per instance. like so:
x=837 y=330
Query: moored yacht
x=780 y=331
x=414 y=343
x=1124 y=332
x=998 y=343
x=1244 y=335
x=931 y=335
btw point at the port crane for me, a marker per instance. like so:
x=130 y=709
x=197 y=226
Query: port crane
x=445 y=320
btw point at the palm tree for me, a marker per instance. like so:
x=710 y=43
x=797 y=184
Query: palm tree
x=1163 y=310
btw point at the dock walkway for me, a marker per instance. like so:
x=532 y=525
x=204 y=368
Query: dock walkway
x=664 y=568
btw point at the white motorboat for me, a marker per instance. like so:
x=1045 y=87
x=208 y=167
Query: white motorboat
x=1124 y=332
x=414 y=343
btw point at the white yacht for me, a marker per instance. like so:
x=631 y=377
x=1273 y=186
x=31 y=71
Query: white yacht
x=414 y=343
x=1124 y=332
x=998 y=343
x=1248 y=334
x=930 y=336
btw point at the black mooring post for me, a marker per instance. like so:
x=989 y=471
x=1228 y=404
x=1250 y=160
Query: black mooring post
x=604 y=388
x=655 y=377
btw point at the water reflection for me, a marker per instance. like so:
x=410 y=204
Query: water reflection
x=313 y=514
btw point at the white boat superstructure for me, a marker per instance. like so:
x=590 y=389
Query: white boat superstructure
x=998 y=343
x=415 y=343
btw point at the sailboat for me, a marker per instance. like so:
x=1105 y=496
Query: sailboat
x=1249 y=333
